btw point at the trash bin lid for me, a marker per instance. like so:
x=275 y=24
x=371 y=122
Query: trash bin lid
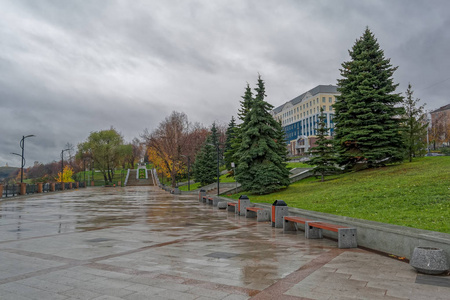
x=202 y=190
x=279 y=203
x=243 y=197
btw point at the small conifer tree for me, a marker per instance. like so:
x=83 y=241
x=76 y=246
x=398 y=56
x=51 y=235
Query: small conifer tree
x=415 y=126
x=262 y=158
x=324 y=158
x=205 y=163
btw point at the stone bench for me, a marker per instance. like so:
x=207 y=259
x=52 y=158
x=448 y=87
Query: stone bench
x=290 y=223
x=261 y=214
x=231 y=206
x=346 y=235
x=313 y=230
x=213 y=201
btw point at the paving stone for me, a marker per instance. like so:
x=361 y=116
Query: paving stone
x=29 y=292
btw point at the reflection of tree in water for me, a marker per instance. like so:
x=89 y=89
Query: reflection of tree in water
x=170 y=214
x=108 y=210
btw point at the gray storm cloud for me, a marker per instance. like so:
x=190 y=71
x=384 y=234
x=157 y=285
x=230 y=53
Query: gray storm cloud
x=71 y=67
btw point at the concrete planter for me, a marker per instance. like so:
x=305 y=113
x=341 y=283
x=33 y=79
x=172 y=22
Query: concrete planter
x=222 y=205
x=429 y=260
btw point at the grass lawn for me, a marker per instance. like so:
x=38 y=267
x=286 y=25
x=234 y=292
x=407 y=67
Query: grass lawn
x=194 y=186
x=415 y=194
x=223 y=178
x=98 y=176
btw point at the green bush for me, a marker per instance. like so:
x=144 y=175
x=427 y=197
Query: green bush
x=445 y=150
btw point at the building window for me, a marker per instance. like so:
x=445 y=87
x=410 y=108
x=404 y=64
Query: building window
x=323 y=99
x=324 y=107
x=330 y=99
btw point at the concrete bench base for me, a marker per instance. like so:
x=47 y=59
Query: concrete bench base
x=261 y=214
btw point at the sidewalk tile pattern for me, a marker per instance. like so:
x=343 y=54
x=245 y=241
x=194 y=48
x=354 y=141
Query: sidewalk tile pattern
x=143 y=243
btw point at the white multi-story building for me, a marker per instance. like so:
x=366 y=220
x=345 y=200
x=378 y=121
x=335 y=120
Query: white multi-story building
x=299 y=116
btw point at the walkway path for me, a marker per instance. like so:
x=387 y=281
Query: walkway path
x=133 y=181
x=141 y=243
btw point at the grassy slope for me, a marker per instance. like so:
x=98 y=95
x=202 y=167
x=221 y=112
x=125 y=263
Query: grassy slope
x=413 y=194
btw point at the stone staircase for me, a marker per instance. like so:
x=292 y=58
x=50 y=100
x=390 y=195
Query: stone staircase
x=133 y=181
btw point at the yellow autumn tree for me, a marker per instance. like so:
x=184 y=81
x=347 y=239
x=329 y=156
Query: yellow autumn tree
x=66 y=176
x=163 y=163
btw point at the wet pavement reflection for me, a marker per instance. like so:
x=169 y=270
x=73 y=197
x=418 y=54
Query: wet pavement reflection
x=144 y=243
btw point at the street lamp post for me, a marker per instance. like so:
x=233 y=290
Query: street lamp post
x=233 y=165
x=218 y=171
x=22 y=145
x=428 y=129
x=188 y=165
x=84 y=171
x=62 y=165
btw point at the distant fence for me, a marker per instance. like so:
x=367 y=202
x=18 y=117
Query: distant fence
x=12 y=190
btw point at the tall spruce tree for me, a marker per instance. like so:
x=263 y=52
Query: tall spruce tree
x=230 y=136
x=262 y=158
x=205 y=163
x=324 y=157
x=415 y=126
x=367 y=115
x=246 y=104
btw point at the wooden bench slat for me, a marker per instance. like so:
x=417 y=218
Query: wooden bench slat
x=231 y=204
x=254 y=208
x=297 y=219
x=326 y=226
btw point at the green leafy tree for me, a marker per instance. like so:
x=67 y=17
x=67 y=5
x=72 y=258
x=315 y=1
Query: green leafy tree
x=107 y=150
x=262 y=156
x=367 y=114
x=230 y=136
x=324 y=157
x=205 y=165
x=415 y=126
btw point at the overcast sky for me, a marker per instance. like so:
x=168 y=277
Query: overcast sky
x=68 y=68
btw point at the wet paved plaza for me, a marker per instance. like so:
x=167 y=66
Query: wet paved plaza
x=143 y=243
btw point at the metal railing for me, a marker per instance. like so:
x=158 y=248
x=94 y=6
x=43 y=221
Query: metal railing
x=12 y=190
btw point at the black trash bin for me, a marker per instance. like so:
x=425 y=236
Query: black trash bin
x=245 y=201
x=279 y=210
